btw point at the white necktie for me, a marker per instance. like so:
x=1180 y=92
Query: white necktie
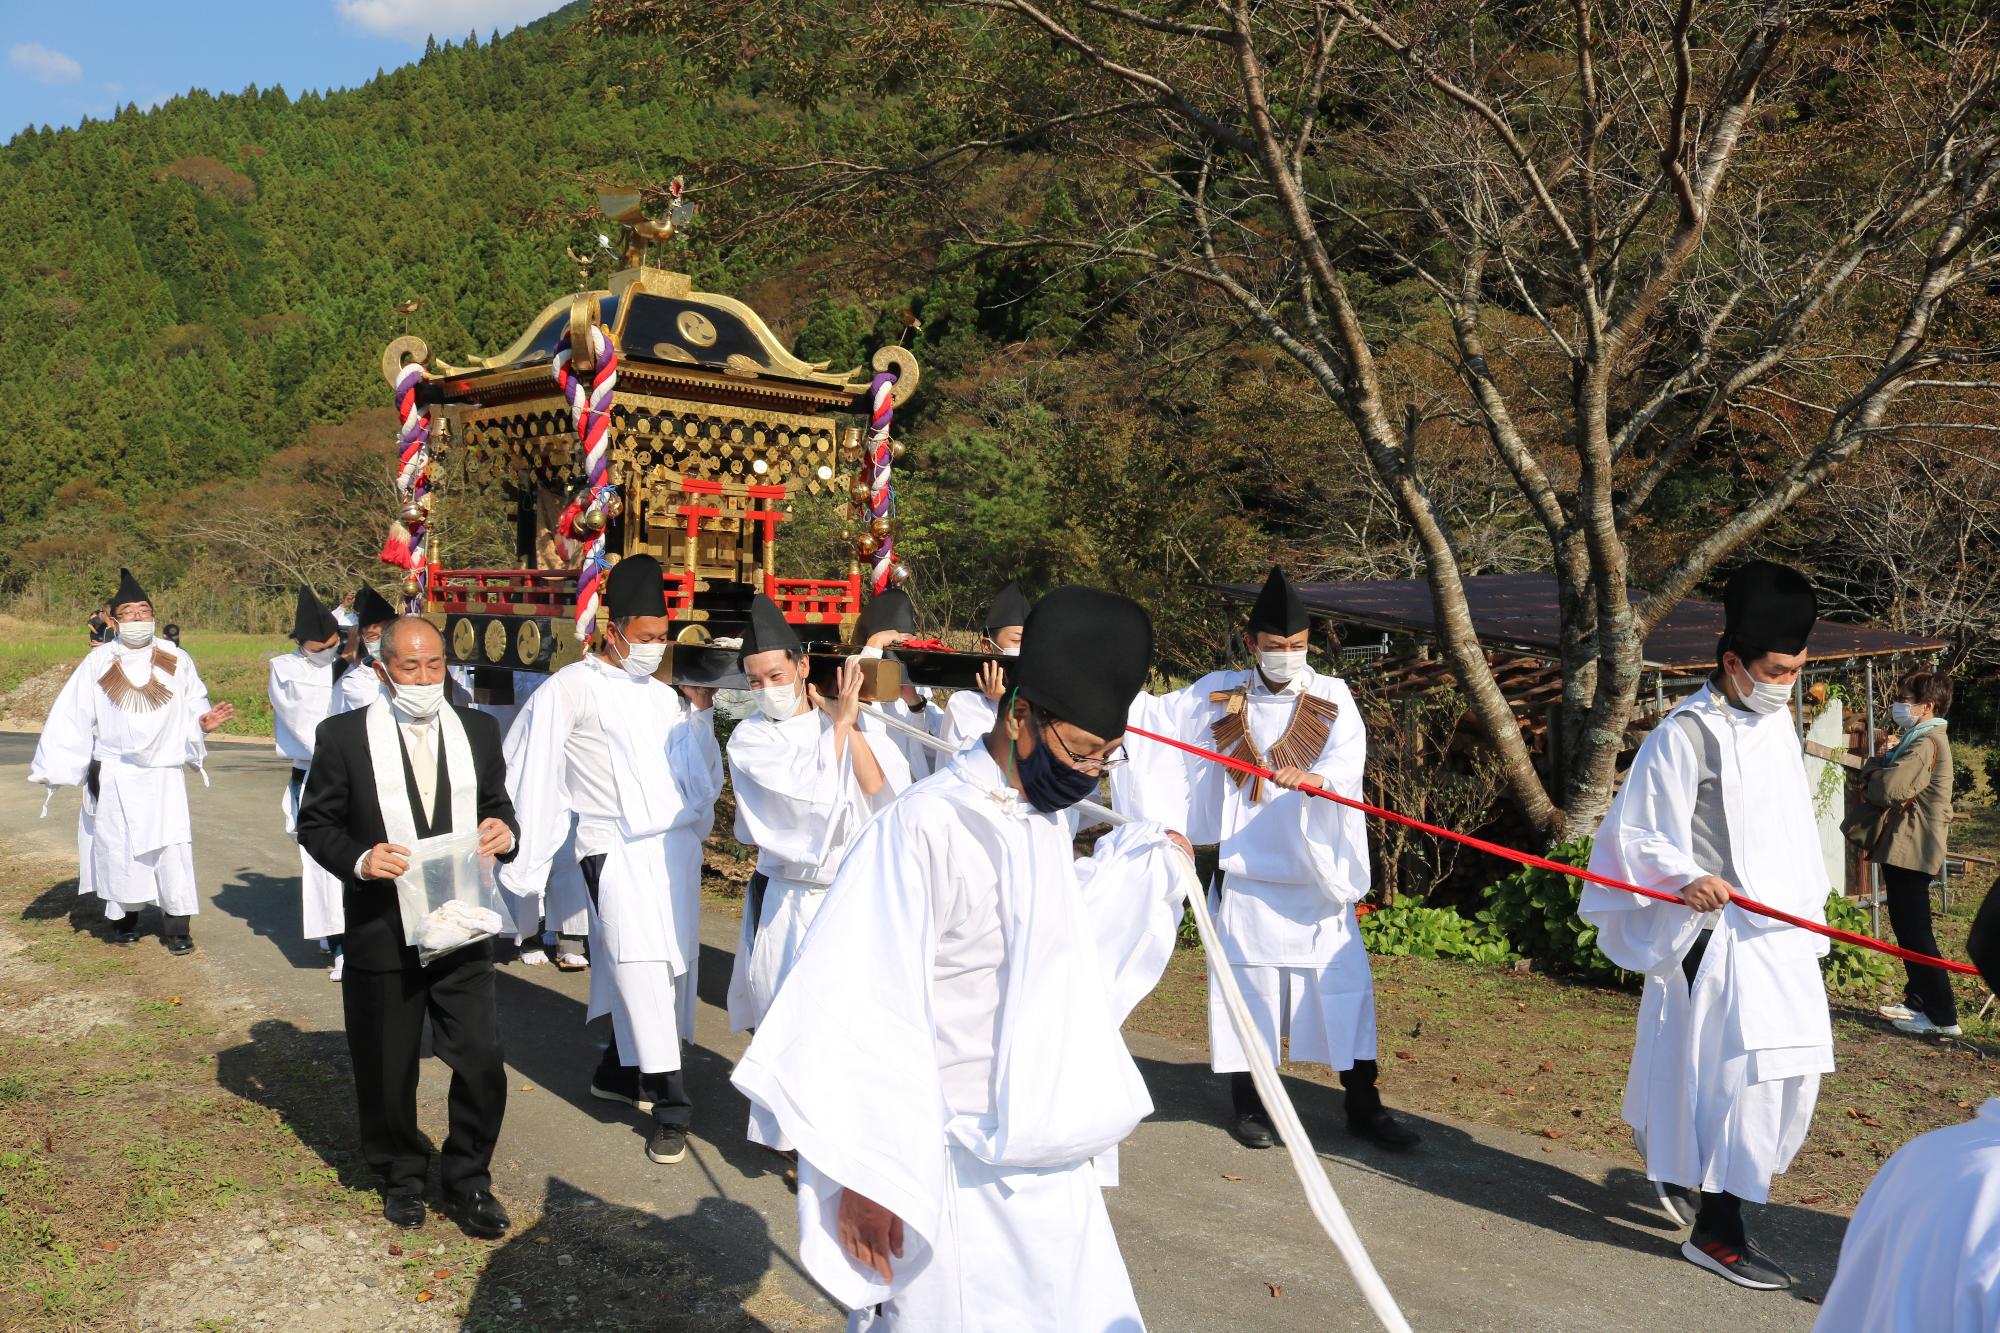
x=424 y=764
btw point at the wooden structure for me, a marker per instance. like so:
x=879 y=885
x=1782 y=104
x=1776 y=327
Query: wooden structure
x=715 y=428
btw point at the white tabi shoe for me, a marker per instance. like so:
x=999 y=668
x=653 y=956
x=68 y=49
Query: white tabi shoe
x=571 y=962
x=533 y=956
x=339 y=967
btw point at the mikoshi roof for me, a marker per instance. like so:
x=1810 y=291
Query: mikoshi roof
x=1518 y=612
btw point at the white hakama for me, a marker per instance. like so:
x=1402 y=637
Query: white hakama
x=140 y=843
x=1292 y=866
x=948 y=1046
x=643 y=791
x=1725 y=1071
x=1922 y=1254
x=302 y=696
x=798 y=804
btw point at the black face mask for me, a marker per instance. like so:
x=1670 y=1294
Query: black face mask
x=1049 y=784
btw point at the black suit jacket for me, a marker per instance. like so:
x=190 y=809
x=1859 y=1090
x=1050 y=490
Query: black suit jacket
x=340 y=818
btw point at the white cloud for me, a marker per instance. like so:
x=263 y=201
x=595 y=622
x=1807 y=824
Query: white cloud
x=413 y=20
x=43 y=65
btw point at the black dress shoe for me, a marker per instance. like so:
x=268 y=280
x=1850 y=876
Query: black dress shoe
x=403 y=1209
x=1254 y=1131
x=126 y=935
x=179 y=944
x=479 y=1213
x=1384 y=1130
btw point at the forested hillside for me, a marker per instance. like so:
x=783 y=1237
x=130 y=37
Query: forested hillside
x=193 y=301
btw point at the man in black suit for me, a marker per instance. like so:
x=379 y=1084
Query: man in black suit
x=430 y=759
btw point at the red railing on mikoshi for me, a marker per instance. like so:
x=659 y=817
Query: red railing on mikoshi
x=503 y=592
x=815 y=601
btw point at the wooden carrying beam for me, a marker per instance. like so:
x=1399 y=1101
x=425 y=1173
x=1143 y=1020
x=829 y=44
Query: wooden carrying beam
x=881 y=677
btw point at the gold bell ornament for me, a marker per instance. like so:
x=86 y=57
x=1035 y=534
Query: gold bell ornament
x=881 y=527
x=899 y=573
x=411 y=587
x=869 y=544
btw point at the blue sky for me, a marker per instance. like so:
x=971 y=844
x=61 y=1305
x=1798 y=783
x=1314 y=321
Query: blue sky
x=66 y=59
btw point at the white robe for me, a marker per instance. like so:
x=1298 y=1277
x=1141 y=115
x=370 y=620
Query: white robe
x=1725 y=1073
x=799 y=805
x=1922 y=1254
x=357 y=687
x=968 y=716
x=140 y=845
x=948 y=1045
x=664 y=772
x=302 y=696
x=1293 y=866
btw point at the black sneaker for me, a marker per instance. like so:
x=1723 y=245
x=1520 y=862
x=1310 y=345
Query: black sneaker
x=1743 y=1264
x=1381 y=1128
x=668 y=1144
x=1254 y=1131
x=1679 y=1203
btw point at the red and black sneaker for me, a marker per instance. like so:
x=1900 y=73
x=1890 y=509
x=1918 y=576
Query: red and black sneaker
x=1742 y=1264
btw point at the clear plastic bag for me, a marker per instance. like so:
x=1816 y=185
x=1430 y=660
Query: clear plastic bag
x=449 y=896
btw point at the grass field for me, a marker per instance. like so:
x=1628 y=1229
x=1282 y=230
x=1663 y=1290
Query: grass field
x=233 y=666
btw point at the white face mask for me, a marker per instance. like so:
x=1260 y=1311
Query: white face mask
x=135 y=633
x=1282 y=667
x=370 y=649
x=643 y=659
x=1905 y=715
x=1015 y=651
x=320 y=657
x=1761 y=697
x=417 y=703
x=777 y=702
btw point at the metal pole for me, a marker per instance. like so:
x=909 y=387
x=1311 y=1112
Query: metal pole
x=1868 y=749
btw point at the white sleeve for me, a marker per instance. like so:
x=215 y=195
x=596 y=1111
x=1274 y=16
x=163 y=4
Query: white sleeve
x=538 y=785
x=788 y=798
x=1644 y=840
x=1134 y=886
x=69 y=735
x=196 y=693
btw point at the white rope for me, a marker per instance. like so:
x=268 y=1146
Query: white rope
x=1320 y=1194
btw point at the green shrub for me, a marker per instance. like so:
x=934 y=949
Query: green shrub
x=1408 y=929
x=1534 y=910
x=1847 y=967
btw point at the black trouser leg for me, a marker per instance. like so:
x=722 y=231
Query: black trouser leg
x=1927 y=988
x=173 y=927
x=1364 y=1099
x=1243 y=1096
x=666 y=1091
x=465 y=1034
x=1720 y=1218
x=385 y=1029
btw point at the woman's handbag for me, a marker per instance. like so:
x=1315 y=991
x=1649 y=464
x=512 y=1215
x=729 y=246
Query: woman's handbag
x=1869 y=826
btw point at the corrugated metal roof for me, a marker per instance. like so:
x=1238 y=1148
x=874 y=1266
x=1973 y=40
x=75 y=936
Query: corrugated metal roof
x=1519 y=612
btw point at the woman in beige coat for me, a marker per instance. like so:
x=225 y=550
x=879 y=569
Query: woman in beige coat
x=1913 y=783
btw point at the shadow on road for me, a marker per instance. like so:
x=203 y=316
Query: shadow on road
x=1452 y=1164
x=269 y=905
x=546 y=1040
x=589 y=1263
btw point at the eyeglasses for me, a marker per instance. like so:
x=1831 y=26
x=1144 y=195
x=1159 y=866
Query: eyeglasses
x=1047 y=726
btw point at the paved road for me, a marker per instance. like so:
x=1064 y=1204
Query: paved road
x=1479 y=1230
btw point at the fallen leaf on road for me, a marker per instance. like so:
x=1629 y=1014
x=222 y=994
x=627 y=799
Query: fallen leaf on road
x=108 y=1246
x=395 y=1249
x=1275 y=1289
x=1405 y=1055
x=175 y=1000
x=423 y=1296
x=1551 y=1133
x=1548 y=1147
x=527 y=1087
x=441 y=1274
x=1227 y=1176
x=1813 y=1198
x=542 y=1240
x=1548 y=1066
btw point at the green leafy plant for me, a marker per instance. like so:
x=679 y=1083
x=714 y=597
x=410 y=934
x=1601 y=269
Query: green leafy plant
x=1846 y=966
x=1408 y=929
x=1535 y=911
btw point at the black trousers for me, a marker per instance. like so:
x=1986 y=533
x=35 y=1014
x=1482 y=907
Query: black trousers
x=1927 y=989
x=385 y=1032
x=1363 y=1098
x=668 y=1092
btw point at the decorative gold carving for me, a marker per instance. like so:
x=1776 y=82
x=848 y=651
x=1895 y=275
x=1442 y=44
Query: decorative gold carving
x=496 y=641
x=528 y=640
x=464 y=640
x=696 y=327
x=738 y=364
x=409 y=347
x=674 y=352
x=903 y=361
